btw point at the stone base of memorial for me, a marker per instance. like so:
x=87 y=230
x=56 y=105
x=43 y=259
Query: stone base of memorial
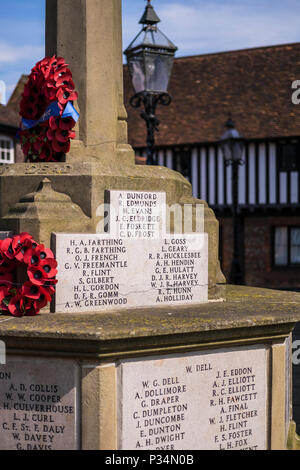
x=210 y=376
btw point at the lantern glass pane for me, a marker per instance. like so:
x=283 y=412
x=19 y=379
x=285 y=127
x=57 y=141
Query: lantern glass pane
x=226 y=149
x=156 y=37
x=136 y=70
x=158 y=69
x=138 y=40
x=237 y=150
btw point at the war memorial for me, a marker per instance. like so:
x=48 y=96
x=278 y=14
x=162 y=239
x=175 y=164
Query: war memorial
x=144 y=346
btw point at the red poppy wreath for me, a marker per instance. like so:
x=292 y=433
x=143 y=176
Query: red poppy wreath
x=48 y=115
x=22 y=254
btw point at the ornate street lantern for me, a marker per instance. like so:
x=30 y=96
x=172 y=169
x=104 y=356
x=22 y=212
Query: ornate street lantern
x=232 y=145
x=150 y=59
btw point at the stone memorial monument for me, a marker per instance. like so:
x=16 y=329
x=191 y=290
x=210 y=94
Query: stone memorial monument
x=145 y=347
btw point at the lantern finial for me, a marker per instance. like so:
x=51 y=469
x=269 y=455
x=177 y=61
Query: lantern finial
x=230 y=123
x=149 y=17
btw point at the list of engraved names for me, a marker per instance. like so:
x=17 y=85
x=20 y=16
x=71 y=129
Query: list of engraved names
x=99 y=272
x=206 y=401
x=38 y=405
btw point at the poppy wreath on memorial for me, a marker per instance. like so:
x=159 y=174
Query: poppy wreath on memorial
x=47 y=113
x=21 y=256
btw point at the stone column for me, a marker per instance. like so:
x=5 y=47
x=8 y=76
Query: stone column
x=88 y=34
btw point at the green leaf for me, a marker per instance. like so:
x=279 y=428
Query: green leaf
x=6 y=301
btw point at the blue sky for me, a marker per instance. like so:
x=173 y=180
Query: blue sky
x=195 y=26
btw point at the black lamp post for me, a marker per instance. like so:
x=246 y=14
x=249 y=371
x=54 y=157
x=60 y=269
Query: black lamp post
x=150 y=59
x=232 y=145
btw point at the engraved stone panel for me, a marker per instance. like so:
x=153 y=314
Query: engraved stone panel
x=38 y=404
x=98 y=272
x=136 y=214
x=211 y=400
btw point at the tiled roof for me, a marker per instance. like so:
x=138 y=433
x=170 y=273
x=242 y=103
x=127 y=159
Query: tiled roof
x=9 y=117
x=253 y=84
x=15 y=99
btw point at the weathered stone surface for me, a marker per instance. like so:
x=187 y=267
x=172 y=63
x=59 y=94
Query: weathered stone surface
x=38 y=404
x=248 y=313
x=99 y=272
x=44 y=210
x=209 y=401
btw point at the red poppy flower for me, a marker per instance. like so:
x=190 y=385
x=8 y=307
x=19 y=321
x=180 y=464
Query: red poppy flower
x=16 y=305
x=19 y=239
x=66 y=124
x=40 y=131
x=26 y=148
x=27 y=91
x=7 y=265
x=47 y=65
x=41 y=302
x=42 y=253
x=19 y=254
x=31 y=112
x=51 y=288
x=61 y=135
x=61 y=147
x=36 y=275
x=64 y=135
x=66 y=95
x=37 y=145
x=60 y=65
x=62 y=73
x=54 y=123
x=4 y=293
x=50 y=92
x=6 y=279
x=49 y=265
x=43 y=273
x=20 y=242
x=46 y=151
x=34 y=291
x=6 y=248
x=65 y=82
x=50 y=134
x=30 y=309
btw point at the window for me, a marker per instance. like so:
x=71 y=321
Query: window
x=7 y=152
x=289 y=156
x=287 y=246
